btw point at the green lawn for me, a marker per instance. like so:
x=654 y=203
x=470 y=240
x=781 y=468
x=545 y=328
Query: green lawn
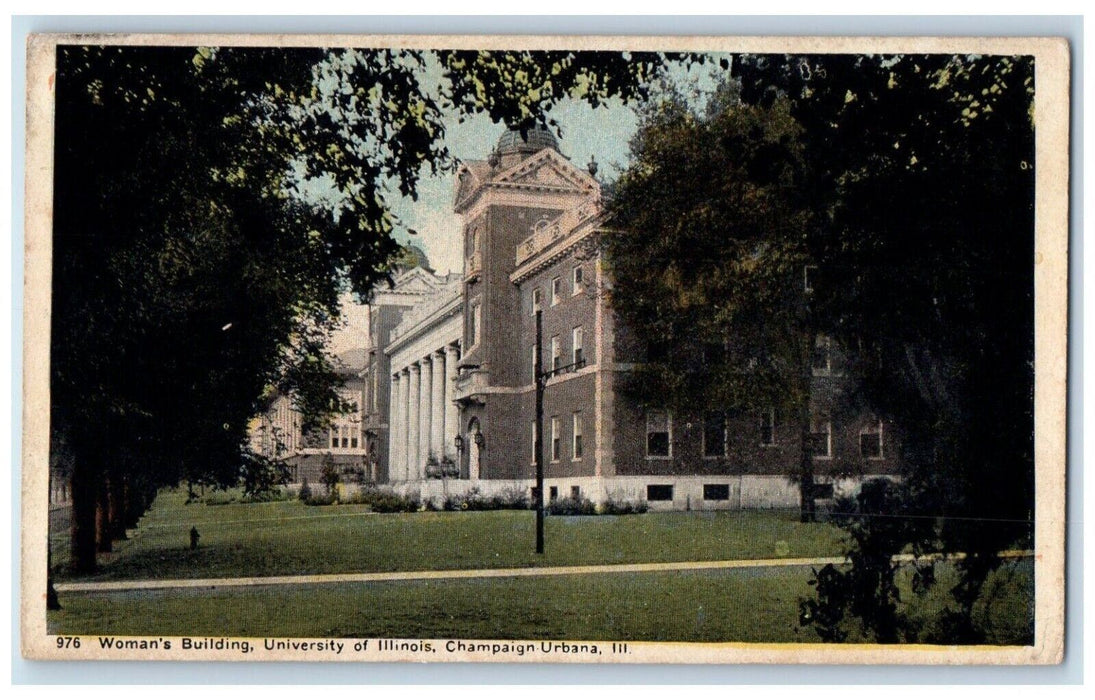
x=751 y=605
x=289 y=538
x=744 y=606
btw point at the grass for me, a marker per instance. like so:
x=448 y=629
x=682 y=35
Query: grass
x=285 y=538
x=701 y=606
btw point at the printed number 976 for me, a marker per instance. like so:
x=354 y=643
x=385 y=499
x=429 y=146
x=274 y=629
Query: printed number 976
x=68 y=642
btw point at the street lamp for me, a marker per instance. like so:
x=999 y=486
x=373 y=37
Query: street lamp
x=459 y=440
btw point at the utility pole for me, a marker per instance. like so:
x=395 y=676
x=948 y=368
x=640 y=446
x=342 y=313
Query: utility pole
x=538 y=372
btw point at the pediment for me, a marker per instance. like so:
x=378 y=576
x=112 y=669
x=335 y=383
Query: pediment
x=469 y=178
x=548 y=169
x=416 y=280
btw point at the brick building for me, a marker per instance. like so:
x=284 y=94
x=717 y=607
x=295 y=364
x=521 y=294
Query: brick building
x=445 y=378
x=530 y=219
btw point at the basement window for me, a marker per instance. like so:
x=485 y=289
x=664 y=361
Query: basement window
x=659 y=492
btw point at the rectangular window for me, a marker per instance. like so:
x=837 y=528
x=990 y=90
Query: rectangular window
x=716 y=492
x=334 y=439
x=535 y=360
x=556 y=440
x=353 y=440
x=870 y=441
x=578 y=353
x=768 y=427
x=823 y=360
x=657 y=434
x=553 y=493
x=575 y=492
x=821 y=439
x=556 y=290
x=659 y=492
x=578 y=282
x=556 y=354
x=577 y=435
x=714 y=435
x=536 y=301
x=476 y=321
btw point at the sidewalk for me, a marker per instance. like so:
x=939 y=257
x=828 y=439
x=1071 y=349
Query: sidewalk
x=110 y=586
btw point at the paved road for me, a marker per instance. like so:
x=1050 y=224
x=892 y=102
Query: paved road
x=109 y=586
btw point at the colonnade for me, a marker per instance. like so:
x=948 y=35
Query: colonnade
x=424 y=416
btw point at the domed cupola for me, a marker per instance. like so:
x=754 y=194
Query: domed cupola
x=537 y=138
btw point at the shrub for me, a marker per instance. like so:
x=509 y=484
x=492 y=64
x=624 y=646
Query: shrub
x=330 y=474
x=305 y=490
x=509 y=499
x=614 y=507
x=321 y=499
x=386 y=502
x=273 y=496
x=383 y=501
x=571 y=506
x=220 y=498
x=262 y=478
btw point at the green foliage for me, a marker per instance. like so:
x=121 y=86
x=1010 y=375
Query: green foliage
x=879 y=523
x=920 y=175
x=330 y=475
x=321 y=499
x=305 y=492
x=384 y=501
x=706 y=254
x=508 y=499
x=197 y=270
x=571 y=506
x=262 y=478
x=612 y=506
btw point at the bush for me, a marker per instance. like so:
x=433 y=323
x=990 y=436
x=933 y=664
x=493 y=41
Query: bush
x=305 y=490
x=331 y=477
x=385 y=501
x=571 y=506
x=614 y=507
x=510 y=499
x=321 y=499
x=267 y=497
x=262 y=478
x=220 y=498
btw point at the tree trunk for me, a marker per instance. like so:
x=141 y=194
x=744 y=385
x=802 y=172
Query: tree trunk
x=102 y=516
x=117 y=508
x=84 y=501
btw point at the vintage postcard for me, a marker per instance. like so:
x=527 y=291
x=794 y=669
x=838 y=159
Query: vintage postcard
x=545 y=349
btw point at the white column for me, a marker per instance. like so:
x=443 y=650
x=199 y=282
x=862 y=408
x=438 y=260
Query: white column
x=437 y=406
x=424 y=415
x=452 y=415
x=401 y=412
x=395 y=447
x=412 y=422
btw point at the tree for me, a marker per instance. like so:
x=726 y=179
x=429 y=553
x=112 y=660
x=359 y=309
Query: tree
x=707 y=251
x=920 y=178
x=195 y=267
